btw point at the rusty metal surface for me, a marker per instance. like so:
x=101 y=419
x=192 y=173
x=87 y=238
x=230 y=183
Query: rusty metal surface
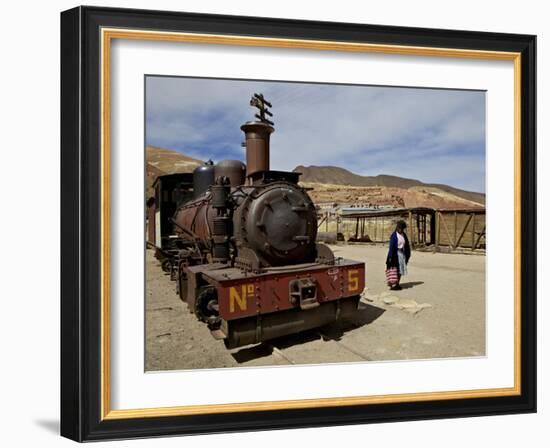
x=265 y=225
x=252 y=330
x=196 y=217
x=257 y=146
x=203 y=177
x=279 y=223
x=242 y=293
x=234 y=170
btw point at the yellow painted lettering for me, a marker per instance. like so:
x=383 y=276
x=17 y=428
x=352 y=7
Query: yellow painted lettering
x=234 y=297
x=353 y=280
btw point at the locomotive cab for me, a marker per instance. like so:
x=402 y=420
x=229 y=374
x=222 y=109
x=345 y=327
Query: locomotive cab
x=170 y=191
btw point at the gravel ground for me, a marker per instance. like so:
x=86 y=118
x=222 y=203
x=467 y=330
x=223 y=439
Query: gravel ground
x=439 y=313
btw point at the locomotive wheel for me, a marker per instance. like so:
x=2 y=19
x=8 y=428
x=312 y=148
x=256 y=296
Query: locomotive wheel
x=166 y=265
x=206 y=306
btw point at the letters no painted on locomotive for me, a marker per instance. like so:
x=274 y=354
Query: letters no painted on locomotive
x=240 y=241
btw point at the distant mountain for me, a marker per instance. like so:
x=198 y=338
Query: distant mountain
x=169 y=161
x=334 y=184
x=340 y=176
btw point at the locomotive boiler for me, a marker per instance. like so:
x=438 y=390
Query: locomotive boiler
x=248 y=264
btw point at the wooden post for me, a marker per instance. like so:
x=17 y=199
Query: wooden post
x=473 y=230
x=418 y=228
x=356 y=228
x=320 y=223
x=455 y=230
x=437 y=216
x=479 y=237
x=151 y=223
x=424 y=228
x=432 y=229
x=411 y=227
x=369 y=225
x=375 y=228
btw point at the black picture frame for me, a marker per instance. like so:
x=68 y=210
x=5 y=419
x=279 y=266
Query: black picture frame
x=81 y=224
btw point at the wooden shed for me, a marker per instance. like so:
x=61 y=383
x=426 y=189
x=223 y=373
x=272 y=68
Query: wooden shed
x=426 y=227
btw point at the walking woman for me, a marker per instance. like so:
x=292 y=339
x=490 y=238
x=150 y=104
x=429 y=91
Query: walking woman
x=398 y=256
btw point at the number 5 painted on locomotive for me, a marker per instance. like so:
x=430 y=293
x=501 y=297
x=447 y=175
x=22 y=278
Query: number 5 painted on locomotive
x=353 y=280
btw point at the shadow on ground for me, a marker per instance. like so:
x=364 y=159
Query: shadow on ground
x=51 y=426
x=408 y=285
x=365 y=315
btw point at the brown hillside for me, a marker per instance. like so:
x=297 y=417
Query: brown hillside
x=384 y=196
x=151 y=173
x=170 y=161
x=340 y=176
x=161 y=161
x=333 y=184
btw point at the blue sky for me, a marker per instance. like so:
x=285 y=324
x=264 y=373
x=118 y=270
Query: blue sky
x=436 y=136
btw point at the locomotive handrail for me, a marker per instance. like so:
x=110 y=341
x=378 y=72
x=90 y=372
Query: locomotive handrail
x=283 y=268
x=189 y=232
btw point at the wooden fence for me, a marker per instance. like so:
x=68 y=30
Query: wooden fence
x=426 y=227
x=460 y=228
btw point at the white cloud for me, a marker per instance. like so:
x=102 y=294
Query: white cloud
x=410 y=132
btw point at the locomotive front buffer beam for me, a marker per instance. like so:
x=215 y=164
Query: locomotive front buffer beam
x=255 y=307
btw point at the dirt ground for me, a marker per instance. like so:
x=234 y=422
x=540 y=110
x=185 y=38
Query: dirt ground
x=439 y=313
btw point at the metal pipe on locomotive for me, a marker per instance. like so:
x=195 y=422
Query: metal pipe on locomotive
x=247 y=263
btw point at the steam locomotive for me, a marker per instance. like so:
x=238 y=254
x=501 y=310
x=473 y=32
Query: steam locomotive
x=240 y=242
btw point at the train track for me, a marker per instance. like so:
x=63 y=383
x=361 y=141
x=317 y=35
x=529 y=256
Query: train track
x=346 y=347
x=278 y=352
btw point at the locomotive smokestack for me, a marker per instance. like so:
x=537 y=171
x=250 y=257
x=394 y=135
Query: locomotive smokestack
x=257 y=136
x=257 y=146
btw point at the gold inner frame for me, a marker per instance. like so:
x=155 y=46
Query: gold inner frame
x=107 y=35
